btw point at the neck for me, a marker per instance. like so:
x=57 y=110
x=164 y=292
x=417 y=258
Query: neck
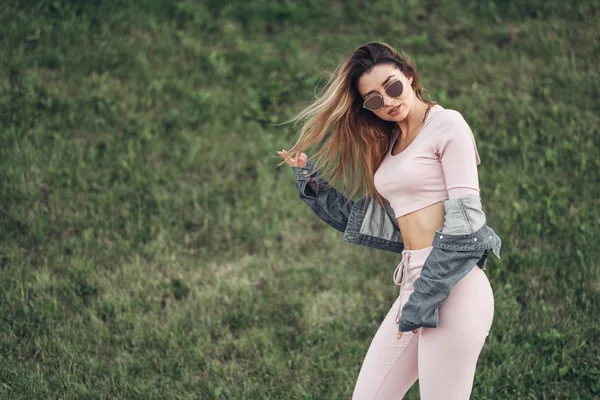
x=413 y=119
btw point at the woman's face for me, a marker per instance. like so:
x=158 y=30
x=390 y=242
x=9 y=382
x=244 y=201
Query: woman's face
x=376 y=80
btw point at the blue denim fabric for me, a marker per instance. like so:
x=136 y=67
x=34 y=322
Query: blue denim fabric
x=463 y=242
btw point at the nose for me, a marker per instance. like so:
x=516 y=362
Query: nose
x=387 y=100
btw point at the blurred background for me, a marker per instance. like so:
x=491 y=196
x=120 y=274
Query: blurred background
x=151 y=249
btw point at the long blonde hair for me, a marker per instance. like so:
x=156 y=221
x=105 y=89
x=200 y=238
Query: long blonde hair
x=360 y=139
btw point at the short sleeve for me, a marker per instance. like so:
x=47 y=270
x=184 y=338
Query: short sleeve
x=457 y=151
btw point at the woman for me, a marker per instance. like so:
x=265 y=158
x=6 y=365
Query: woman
x=419 y=162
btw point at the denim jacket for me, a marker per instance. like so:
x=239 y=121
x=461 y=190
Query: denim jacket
x=463 y=242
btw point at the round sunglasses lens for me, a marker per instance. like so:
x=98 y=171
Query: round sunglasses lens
x=373 y=103
x=395 y=89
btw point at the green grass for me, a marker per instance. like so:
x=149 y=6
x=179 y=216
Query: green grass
x=150 y=248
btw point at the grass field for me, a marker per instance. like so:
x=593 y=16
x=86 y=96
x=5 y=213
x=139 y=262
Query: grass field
x=151 y=249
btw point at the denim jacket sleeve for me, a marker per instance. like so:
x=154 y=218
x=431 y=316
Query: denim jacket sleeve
x=327 y=203
x=463 y=242
x=363 y=222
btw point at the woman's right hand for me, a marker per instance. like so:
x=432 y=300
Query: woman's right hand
x=299 y=161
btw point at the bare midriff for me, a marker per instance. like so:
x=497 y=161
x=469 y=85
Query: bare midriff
x=418 y=228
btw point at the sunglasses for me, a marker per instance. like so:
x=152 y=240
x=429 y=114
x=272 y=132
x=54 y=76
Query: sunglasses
x=375 y=102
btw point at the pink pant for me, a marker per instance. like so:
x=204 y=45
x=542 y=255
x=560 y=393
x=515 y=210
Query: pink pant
x=442 y=358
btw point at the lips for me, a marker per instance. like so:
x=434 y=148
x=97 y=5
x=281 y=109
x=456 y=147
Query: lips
x=393 y=110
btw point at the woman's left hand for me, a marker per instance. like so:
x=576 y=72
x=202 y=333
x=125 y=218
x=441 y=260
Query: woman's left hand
x=400 y=333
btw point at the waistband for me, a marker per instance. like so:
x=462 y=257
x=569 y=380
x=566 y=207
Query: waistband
x=417 y=256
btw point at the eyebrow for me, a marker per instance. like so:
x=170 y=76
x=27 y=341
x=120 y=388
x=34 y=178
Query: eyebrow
x=383 y=84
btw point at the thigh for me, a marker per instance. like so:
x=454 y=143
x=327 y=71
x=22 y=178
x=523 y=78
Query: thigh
x=390 y=366
x=448 y=353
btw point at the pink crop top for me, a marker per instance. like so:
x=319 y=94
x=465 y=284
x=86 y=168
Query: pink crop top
x=440 y=163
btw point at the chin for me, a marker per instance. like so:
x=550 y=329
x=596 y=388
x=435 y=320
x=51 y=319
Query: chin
x=395 y=118
x=398 y=118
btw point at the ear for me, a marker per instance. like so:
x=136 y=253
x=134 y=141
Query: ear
x=409 y=79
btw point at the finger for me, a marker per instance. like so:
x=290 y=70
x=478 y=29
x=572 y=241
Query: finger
x=295 y=160
x=287 y=158
x=290 y=160
x=302 y=161
x=280 y=153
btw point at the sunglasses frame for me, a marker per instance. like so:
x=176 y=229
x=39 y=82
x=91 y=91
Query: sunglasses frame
x=383 y=100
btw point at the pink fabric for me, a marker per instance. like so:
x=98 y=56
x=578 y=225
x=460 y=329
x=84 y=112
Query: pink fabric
x=442 y=358
x=440 y=163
